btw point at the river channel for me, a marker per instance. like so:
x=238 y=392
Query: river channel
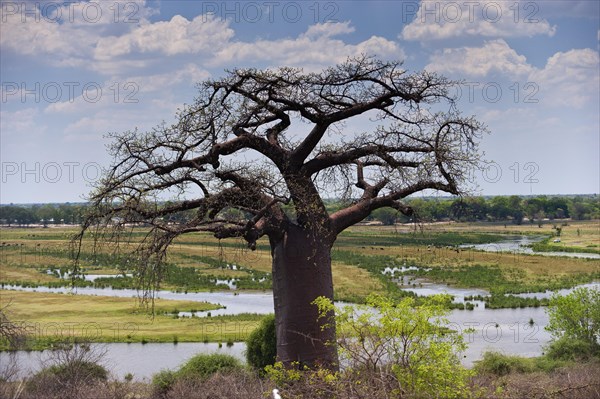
x=506 y=330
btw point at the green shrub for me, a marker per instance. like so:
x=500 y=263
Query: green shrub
x=569 y=349
x=203 y=366
x=78 y=370
x=404 y=341
x=261 y=345
x=500 y=364
x=163 y=381
x=66 y=375
x=576 y=315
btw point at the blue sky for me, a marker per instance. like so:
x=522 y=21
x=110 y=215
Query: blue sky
x=72 y=72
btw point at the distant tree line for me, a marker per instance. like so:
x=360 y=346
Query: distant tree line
x=44 y=214
x=513 y=209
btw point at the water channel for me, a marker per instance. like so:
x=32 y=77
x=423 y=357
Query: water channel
x=511 y=331
x=521 y=245
x=506 y=330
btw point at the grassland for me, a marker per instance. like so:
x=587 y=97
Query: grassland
x=48 y=318
x=196 y=261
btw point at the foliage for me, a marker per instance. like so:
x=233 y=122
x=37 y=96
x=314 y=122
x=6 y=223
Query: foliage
x=499 y=364
x=261 y=345
x=576 y=315
x=163 y=381
x=404 y=341
x=570 y=349
x=70 y=366
x=77 y=370
x=202 y=366
x=198 y=368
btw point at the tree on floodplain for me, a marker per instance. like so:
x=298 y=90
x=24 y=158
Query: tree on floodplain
x=261 y=141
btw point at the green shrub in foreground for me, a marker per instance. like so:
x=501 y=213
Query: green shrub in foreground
x=500 y=364
x=203 y=366
x=199 y=367
x=570 y=349
x=261 y=345
x=163 y=381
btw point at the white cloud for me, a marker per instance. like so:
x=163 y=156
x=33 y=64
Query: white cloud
x=444 y=19
x=569 y=79
x=328 y=29
x=495 y=56
x=312 y=49
x=120 y=49
x=126 y=92
x=20 y=123
x=205 y=33
x=67 y=35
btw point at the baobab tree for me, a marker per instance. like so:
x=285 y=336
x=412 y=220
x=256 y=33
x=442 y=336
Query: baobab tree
x=255 y=140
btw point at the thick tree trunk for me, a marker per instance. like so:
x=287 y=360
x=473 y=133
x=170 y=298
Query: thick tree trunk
x=301 y=273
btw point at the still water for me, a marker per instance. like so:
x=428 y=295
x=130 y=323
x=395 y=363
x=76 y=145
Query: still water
x=520 y=244
x=511 y=331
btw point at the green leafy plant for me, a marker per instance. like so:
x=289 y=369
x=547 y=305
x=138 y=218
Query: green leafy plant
x=403 y=341
x=261 y=345
x=576 y=316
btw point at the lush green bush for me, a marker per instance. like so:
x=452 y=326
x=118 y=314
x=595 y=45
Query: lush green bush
x=163 y=381
x=571 y=349
x=203 y=366
x=261 y=345
x=199 y=367
x=500 y=364
x=576 y=316
x=406 y=342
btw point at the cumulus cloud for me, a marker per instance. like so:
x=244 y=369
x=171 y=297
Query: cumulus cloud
x=177 y=36
x=445 y=19
x=313 y=49
x=66 y=35
x=495 y=56
x=568 y=79
x=121 y=48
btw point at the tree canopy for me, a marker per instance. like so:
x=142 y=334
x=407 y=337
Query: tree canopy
x=256 y=140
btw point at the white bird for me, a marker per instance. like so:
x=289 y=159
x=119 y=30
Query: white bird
x=276 y=394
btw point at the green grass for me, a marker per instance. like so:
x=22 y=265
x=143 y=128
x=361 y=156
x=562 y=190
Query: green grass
x=50 y=318
x=547 y=245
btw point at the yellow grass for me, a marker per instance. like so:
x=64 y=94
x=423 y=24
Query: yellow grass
x=108 y=319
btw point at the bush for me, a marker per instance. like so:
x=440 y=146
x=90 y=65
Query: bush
x=203 y=366
x=499 y=364
x=69 y=367
x=78 y=370
x=404 y=342
x=198 y=368
x=576 y=316
x=571 y=350
x=163 y=381
x=68 y=376
x=261 y=345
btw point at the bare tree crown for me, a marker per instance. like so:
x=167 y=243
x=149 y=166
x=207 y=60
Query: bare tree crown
x=257 y=139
